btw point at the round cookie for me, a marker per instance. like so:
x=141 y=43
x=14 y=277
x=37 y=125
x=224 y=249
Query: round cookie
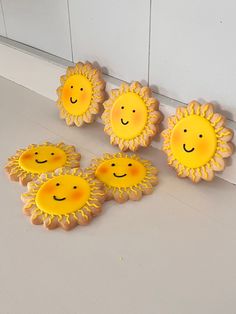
x=81 y=93
x=124 y=176
x=65 y=198
x=131 y=116
x=196 y=141
x=28 y=163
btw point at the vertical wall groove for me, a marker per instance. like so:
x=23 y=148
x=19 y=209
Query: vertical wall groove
x=149 y=38
x=3 y=16
x=71 y=45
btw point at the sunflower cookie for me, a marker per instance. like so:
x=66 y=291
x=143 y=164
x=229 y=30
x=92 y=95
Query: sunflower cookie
x=65 y=197
x=196 y=141
x=124 y=177
x=28 y=163
x=81 y=93
x=131 y=116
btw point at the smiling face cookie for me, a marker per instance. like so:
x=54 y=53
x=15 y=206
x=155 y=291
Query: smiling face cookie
x=121 y=172
x=77 y=94
x=43 y=158
x=63 y=194
x=27 y=164
x=128 y=116
x=196 y=141
x=65 y=198
x=81 y=94
x=131 y=116
x=125 y=177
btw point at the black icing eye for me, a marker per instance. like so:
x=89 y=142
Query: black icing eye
x=129 y=165
x=200 y=135
x=52 y=154
x=71 y=86
x=133 y=110
x=185 y=130
x=113 y=165
x=75 y=187
x=122 y=107
x=81 y=89
x=57 y=184
x=36 y=153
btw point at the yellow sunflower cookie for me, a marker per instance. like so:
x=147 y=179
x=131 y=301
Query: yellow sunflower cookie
x=81 y=93
x=28 y=163
x=65 y=197
x=124 y=177
x=131 y=116
x=196 y=141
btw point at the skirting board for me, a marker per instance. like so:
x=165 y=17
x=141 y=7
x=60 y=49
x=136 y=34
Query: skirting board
x=40 y=72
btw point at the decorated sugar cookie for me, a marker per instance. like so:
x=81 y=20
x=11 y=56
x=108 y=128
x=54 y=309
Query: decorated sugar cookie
x=66 y=198
x=28 y=163
x=196 y=141
x=131 y=116
x=125 y=177
x=81 y=93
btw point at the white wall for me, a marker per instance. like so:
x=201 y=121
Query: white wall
x=193 y=51
x=42 y=24
x=2 y=24
x=113 y=33
x=185 y=49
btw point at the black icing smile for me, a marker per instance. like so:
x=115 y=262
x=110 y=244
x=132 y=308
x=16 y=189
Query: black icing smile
x=58 y=199
x=188 y=150
x=40 y=162
x=124 y=123
x=121 y=176
x=73 y=101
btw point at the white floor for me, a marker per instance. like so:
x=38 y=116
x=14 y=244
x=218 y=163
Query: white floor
x=174 y=252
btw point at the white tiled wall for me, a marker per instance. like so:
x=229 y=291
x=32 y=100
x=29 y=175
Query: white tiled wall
x=42 y=24
x=185 y=49
x=193 y=51
x=113 y=33
x=2 y=26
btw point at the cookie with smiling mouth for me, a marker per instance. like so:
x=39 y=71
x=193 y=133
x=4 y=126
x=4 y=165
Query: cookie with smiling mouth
x=124 y=176
x=40 y=161
x=81 y=94
x=124 y=123
x=28 y=163
x=188 y=150
x=131 y=116
x=197 y=141
x=73 y=101
x=64 y=198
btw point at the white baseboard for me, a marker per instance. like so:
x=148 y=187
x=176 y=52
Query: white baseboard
x=40 y=72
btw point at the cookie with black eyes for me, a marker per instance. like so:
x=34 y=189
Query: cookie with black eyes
x=124 y=176
x=81 y=94
x=197 y=141
x=63 y=198
x=131 y=116
x=28 y=163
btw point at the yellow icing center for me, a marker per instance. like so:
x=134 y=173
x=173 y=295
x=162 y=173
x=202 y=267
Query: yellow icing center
x=77 y=94
x=121 y=172
x=128 y=115
x=42 y=159
x=63 y=195
x=193 y=141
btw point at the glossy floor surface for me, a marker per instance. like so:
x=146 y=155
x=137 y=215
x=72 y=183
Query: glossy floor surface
x=173 y=252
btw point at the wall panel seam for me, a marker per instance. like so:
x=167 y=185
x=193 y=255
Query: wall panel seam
x=149 y=38
x=3 y=16
x=71 y=45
